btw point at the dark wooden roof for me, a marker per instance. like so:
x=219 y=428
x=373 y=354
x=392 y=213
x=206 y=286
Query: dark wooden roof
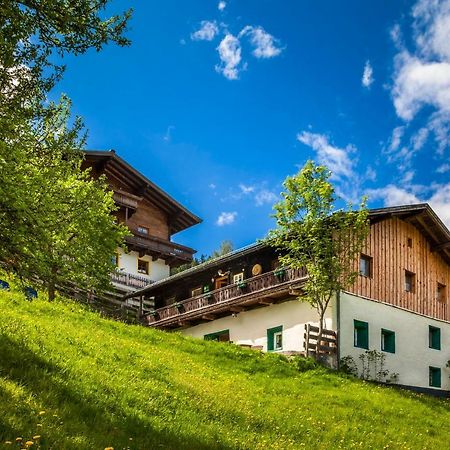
x=108 y=162
x=419 y=215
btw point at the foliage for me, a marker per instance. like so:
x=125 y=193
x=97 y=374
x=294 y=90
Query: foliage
x=312 y=234
x=225 y=247
x=92 y=383
x=55 y=221
x=373 y=367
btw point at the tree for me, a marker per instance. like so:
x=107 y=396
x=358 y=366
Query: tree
x=58 y=219
x=55 y=222
x=312 y=234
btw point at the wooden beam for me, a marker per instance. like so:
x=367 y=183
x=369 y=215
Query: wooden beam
x=208 y=317
x=265 y=301
x=237 y=309
x=443 y=246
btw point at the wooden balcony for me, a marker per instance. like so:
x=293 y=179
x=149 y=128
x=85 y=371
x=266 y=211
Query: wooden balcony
x=130 y=280
x=126 y=199
x=159 y=248
x=261 y=290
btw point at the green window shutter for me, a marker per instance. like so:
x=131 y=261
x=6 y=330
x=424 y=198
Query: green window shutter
x=222 y=336
x=361 y=334
x=435 y=377
x=387 y=341
x=271 y=332
x=434 y=338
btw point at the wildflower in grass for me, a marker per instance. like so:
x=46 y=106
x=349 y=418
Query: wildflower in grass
x=29 y=443
x=39 y=425
x=41 y=413
x=37 y=437
x=8 y=442
x=18 y=439
x=109 y=448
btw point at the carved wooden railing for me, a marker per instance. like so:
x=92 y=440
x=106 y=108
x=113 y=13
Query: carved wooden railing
x=126 y=199
x=129 y=279
x=227 y=294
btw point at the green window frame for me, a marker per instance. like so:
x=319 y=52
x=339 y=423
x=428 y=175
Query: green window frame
x=220 y=336
x=435 y=376
x=361 y=334
x=275 y=339
x=387 y=341
x=434 y=337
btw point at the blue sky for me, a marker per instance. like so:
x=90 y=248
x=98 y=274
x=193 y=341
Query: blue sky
x=217 y=102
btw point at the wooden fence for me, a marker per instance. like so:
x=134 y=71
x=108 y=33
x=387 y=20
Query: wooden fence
x=328 y=342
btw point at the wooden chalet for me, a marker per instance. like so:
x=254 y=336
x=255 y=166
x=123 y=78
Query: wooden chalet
x=151 y=215
x=406 y=244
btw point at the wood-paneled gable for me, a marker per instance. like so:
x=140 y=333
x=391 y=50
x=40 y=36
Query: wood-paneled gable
x=388 y=245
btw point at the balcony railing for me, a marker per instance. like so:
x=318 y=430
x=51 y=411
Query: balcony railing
x=129 y=279
x=246 y=292
x=126 y=199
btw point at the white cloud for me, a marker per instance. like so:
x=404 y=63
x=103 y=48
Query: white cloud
x=230 y=54
x=207 y=31
x=246 y=189
x=371 y=175
x=422 y=77
x=419 y=139
x=393 y=195
x=226 y=218
x=367 y=78
x=212 y=186
x=396 y=139
x=335 y=158
x=264 y=196
x=440 y=202
x=221 y=6
x=443 y=168
x=168 y=136
x=265 y=45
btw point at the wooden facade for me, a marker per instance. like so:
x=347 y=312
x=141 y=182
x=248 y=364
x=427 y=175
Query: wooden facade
x=408 y=240
x=396 y=247
x=151 y=215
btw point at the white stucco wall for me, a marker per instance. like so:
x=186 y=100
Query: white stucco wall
x=250 y=327
x=157 y=269
x=412 y=357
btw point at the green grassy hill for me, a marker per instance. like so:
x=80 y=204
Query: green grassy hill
x=80 y=381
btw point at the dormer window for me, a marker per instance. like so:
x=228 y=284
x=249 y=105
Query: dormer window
x=143 y=230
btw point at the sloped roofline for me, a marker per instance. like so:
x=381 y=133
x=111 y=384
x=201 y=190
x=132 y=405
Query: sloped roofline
x=375 y=215
x=184 y=218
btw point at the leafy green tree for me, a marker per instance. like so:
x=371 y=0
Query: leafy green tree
x=58 y=218
x=312 y=234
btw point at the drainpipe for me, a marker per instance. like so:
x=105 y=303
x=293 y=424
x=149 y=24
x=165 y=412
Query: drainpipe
x=338 y=326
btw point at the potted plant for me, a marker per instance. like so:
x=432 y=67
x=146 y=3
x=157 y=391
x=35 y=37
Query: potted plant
x=280 y=273
x=179 y=306
x=242 y=285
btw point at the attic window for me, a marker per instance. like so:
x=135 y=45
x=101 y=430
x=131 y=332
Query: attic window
x=143 y=267
x=441 y=292
x=142 y=230
x=409 y=281
x=409 y=242
x=365 y=266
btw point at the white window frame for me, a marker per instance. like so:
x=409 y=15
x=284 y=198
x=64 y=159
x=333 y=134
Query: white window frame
x=238 y=278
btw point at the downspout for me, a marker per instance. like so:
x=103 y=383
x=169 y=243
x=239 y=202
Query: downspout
x=338 y=326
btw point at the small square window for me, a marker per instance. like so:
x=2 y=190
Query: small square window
x=387 y=341
x=434 y=338
x=275 y=339
x=365 y=266
x=143 y=230
x=238 y=277
x=409 y=281
x=361 y=334
x=409 y=242
x=435 y=377
x=441 y=293
x=143 y=267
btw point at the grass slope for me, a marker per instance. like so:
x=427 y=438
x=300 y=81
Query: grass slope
x=84 y=382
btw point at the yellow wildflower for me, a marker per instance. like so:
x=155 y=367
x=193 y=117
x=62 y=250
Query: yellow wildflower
x=18 y=439
x=41 y=413
x=8 y=442
x=109 y=448
x=38 y=436
x=39 y=425
x=29 y=443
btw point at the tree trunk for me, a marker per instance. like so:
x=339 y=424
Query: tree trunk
x=51 y=291
x=320 y=333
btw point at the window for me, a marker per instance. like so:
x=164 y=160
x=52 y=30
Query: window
x=387 y=341
x=275 y=339
x=143 y=267
x=365 y=266
x=143 y=230
x=220 y=336
x=409 y=281
x=361 y=334
x=434 y=338
x=115 y=259
x=441 y=292
x=196 y=291
x=435 y=377
x=238 y=278
x=409 y=242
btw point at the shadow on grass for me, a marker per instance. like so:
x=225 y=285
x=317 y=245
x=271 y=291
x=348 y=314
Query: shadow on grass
x=83 y=421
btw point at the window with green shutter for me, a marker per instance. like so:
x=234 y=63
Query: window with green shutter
x=275 y=339
x=387 y=341
x=434 y=338
x=221 y=336
x=435 y=377
x=361 y=334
